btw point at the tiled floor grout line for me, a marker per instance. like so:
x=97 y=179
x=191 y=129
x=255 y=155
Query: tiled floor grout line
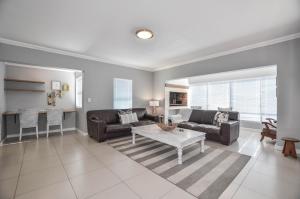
x=121 y=181
x=86 y=145
x=65 y=171
x=249 y=170
x=15 y=192
x=37 y=187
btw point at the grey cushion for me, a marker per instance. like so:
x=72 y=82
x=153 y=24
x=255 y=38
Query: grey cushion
x=188 y=125
x=207 y=128
x=208 y=117
x=114 y=128
x=196 y=116
x=143 y=123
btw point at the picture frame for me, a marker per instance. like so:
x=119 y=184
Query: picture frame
x=56 y=85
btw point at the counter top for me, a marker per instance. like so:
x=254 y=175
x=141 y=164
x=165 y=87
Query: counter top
x=41 y=111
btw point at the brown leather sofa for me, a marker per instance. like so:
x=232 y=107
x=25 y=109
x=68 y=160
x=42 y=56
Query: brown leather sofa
x=105 y=124
x=203 y=120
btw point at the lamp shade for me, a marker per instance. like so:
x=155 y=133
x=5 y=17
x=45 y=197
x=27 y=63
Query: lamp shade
x=154 y=103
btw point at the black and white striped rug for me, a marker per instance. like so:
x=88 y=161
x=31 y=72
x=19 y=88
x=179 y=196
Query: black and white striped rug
x=204 y=175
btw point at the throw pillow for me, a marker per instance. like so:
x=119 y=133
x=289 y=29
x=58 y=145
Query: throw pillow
x=128 y=118
x=220 y=118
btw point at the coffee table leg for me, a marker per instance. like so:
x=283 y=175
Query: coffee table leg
x=133 y=138
x=202 y=146
x=179 y=151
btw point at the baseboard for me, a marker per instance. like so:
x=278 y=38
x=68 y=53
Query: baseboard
x=41 y=132
x=81 y=132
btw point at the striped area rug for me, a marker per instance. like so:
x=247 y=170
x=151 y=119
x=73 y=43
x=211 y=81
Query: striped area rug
x=204 y=175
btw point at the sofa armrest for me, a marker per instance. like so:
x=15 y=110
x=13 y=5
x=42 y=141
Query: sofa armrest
x=230 y=132
x=96 y=128
x=154 y=118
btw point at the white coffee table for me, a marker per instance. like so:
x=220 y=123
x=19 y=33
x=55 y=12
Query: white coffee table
x=174 y=138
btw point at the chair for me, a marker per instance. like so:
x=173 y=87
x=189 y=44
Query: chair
x=54 y=118
x=29 y=119
x=270 y=129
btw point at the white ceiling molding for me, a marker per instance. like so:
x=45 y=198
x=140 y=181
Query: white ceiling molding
x=67 y=53
x=215 y=55
x=233 y=51
x=42 y=67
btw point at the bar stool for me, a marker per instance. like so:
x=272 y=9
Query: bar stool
x=54 y=118
x=29 y=119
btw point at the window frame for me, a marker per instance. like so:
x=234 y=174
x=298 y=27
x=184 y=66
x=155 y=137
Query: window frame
x=80 y=77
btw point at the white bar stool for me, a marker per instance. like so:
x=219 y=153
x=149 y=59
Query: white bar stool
x=29 y=119
x=54 y=118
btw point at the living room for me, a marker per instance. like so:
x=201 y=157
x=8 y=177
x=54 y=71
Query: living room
x=131 y=55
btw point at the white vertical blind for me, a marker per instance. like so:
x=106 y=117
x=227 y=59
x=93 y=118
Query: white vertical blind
x=255 y=99
x=246 y=99
x=218 y=95
x=268 y=98
x=122 y=93
x=198 y=96
x=78 y=89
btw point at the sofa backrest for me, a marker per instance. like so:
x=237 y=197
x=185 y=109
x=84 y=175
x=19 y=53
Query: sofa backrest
x=111 y=116
x=140 y=112
x=207 y=116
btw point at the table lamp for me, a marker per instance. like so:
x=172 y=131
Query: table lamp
x=154 y=104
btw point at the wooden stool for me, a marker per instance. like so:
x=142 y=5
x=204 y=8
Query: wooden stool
x=289 y=146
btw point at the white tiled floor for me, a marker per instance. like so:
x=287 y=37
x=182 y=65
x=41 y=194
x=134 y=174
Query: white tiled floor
x=76 y=167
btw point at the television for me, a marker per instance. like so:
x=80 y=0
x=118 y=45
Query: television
x=178 y=98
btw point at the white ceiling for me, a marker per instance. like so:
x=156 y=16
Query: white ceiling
x=184 y=31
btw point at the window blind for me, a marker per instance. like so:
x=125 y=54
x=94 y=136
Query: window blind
x=122 y=93
x=254 y=98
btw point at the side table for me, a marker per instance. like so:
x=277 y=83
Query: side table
x=289 y=147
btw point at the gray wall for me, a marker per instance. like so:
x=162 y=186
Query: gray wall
x=2 y=97
x=98 y=77
x=285 y=55
x=17 y=100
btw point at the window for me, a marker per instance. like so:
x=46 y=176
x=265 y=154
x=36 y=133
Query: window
x=218 y=95
x=78 y=92
x=255 y=99
x=246 y=99
x=122 y=93
x=198 y=96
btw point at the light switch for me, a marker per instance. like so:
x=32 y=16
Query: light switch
x=89 y=100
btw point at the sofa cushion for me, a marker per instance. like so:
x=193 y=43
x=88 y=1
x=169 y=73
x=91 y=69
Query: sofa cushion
x=109 y=116
x=207 y=128
x=208 y=117
x=114 y=128
x=140 y=112
x=187 y=125
x=142 y=123
x=196 y=116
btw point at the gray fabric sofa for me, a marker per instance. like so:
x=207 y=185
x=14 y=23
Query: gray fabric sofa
x=203 y=120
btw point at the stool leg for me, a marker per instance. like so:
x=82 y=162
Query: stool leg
x=61 y=129
x=37 y=132
x=293 y=150
x=20 y=136
x=284 y=146
x=47 y=130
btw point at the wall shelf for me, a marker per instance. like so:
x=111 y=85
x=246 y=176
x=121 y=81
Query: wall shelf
x=21 y=85
x=24 y=81
x=24 y=90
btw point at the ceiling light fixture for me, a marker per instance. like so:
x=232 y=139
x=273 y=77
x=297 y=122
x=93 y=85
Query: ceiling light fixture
x=144 y=34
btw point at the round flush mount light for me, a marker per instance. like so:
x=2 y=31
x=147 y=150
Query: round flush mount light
x=144 y=34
